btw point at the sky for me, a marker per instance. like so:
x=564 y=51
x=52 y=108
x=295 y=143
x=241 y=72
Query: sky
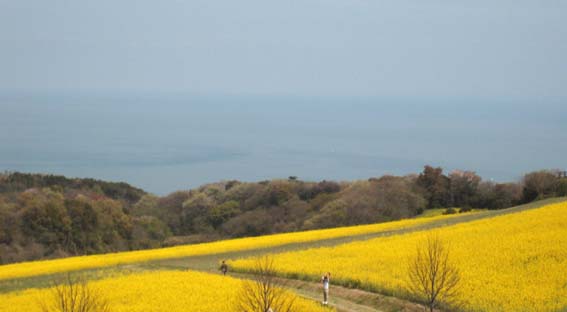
x=405 y=48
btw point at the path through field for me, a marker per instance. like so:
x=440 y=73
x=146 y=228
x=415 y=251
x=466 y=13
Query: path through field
x=343 y=299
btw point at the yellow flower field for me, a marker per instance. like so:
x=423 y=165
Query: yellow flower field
x=35 y=268
x=515 y=262
x=167 y=291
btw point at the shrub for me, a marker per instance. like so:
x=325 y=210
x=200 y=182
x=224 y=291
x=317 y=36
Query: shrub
x=449 y=211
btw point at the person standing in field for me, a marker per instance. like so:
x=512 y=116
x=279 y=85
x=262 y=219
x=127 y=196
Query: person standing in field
x=326 y=279
x=224 y=267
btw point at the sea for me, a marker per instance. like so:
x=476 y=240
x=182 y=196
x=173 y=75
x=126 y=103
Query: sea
x=167 y=142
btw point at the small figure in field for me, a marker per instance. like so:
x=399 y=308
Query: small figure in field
x=326 y=279
x=224 y=267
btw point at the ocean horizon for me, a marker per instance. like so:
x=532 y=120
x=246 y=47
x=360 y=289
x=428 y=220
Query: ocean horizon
x=164 y=143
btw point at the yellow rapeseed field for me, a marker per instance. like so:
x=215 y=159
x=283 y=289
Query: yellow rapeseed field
x=167 y=291
x=515 y=262
x=35 y=268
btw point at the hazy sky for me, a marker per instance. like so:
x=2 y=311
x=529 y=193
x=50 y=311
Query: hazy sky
x=412 y=48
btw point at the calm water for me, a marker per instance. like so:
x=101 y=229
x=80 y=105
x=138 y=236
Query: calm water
x=166 y=143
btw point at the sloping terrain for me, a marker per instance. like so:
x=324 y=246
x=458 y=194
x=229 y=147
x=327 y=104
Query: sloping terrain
x=345 y=299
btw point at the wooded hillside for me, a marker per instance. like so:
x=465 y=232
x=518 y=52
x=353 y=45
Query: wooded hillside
x=47 y=216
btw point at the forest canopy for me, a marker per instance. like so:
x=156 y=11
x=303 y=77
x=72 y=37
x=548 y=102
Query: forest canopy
x=50 y=216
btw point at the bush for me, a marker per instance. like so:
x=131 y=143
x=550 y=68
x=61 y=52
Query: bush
x=450 y=211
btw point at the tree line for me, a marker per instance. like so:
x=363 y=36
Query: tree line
x=49 y=216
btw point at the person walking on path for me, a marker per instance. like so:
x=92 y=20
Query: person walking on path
x=224 y=267
x=326 y=279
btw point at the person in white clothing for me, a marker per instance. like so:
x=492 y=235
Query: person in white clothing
x=326 y=279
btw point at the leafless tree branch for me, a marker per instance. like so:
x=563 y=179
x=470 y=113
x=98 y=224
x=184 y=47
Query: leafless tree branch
x=71 y=294
x=432 y=276
x=265 y=293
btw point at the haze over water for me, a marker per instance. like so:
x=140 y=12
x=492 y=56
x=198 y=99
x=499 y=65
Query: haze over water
x=165 y=143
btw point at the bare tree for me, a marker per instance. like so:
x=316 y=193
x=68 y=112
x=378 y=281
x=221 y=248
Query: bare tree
x=71 y=294
x=433 y=277
x=264 y=292
x=540 y=184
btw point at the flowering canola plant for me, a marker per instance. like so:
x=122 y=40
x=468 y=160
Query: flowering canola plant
x=514 y=262
x=167 y=291
x=44 y=267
